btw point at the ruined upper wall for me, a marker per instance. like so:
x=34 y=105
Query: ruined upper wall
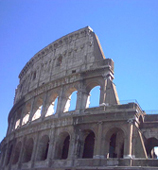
x=74 y=53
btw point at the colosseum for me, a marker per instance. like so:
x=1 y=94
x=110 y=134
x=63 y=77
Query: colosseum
x=45 y=134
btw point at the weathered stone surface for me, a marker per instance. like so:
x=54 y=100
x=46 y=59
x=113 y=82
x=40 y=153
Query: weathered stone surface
x=44 y=134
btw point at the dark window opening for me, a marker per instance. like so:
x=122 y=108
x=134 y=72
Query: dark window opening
x=65 y=149
x=34 y=75
x=28 y=150
x=151 y=145
x=89 y=146
x=43 y=148
x=112 y=153
x=73 y=71
x=116 y=145
x=59 y=61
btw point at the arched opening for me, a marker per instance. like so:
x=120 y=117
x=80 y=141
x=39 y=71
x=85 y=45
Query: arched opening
x=17 y=124
x=52 y=108
x=25 y=119
x=116 y=144
x=59 y=61
x=9 y=154
x=43 y=148
x=65 y=149
x=37 y=114
x=155 y=150
x=94 y=97
x=112 y=147
x=18 y=118
x=17 y=153
x=26 y=114
x=89 y=145
x=37 y=108
x=34 y=75
x=71 y=102
x=62 y=146
x=28 y=150
x=152 y=147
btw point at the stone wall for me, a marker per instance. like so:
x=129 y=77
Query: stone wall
x=43 y=133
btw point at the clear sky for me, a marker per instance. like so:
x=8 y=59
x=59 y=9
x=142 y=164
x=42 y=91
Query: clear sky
x=127 y=30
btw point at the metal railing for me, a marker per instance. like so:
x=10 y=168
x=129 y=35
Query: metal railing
x=135 y=101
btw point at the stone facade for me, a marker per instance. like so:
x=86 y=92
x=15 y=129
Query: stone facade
x=44 y=134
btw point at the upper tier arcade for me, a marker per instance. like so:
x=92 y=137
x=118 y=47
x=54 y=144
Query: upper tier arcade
x=74 y=53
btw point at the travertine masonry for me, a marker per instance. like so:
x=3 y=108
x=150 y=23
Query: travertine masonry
x=44 y=133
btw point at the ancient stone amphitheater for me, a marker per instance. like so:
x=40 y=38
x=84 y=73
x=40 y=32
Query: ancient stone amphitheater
x=45 y=134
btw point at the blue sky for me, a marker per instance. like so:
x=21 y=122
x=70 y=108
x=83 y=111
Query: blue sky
x=127 y=30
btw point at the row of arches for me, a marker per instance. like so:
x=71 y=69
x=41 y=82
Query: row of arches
x=85 y=146
x=32 y=112
x=152 y=147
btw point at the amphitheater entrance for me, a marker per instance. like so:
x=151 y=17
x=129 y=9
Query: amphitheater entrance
x=89 y=145
x=17 y=153
x=28 y=150
x=152 y=147
x=65 y=149
x=116 y=143
x=62 y=146
x=43 y=148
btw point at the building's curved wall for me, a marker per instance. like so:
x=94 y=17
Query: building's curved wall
x=44 y=133
x=76 y=52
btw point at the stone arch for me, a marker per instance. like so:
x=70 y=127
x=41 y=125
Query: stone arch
x=28 y=150
x=115 y=141
x=92 y=85
x=59 y=60
x=52 y=104
x=89 y=141
x=150 y=144
x=37 y=111
x=26 y=114
x=17 y=151
x=62 y=146
x=69 y=102
x=43 y=147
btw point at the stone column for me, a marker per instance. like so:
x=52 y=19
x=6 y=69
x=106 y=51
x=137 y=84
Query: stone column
x=21 y=119
x=82 y=97
x=79 y=100
x=11 y=125
x=44 y=108
x=102 y=95
x=71 y=153
x=31 y=110
x=103 y=90
x=72 y=148
x=34 y=152
x=14 y=122
x=60 y=106
x=78 y=144
x=12 y=154
x=51 y=151
x=128 y=140
x=20 y=161
x=98 y=140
